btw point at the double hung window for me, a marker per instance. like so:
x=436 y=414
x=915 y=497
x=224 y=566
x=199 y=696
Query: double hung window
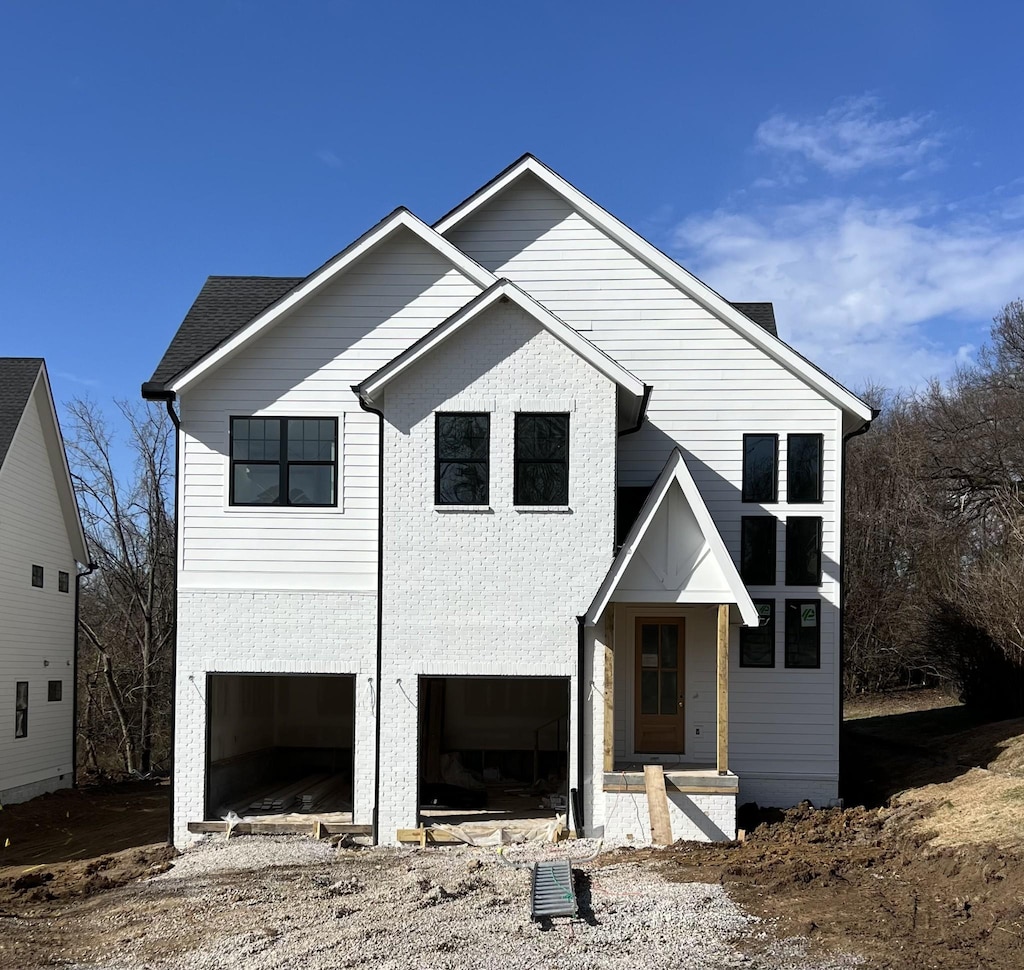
x=284 y=461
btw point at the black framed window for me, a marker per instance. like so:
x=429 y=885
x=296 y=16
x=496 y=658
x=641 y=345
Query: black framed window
x=757 y=643
x=63 y=581
x=803 y=633
x=37 y=576
x=542 y=459
x=54 y=690
x=804 y=467
x=284 y=461
x=760 y=462
x=21 y=709
x=803 y=550
x=757 y=549
x=462 y=448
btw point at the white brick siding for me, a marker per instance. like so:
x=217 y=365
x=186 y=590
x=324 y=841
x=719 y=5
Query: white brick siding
x=698 y=818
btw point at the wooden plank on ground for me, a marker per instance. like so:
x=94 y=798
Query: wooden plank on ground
x=426 y=836
x=280 y=828
x=657 y=805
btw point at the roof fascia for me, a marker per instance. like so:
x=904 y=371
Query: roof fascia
x=675 y=470
x=503 y=289
x=399 y=219
x=666 y=267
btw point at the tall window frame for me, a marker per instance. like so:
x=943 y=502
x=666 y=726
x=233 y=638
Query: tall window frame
x=803 y=633
x=21 y=709
x=462 y=458
x=757 y=643
x=284 y=451
x=803 y=550
x=758 y=549
x=542 y=442
x=760 y=475
x=812 y=467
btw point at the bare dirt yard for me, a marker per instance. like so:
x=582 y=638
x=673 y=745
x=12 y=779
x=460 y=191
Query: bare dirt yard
x=927 y=870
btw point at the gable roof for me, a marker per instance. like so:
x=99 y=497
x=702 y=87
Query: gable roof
x=697 y=290
x=21 y=379
x=503 y=290
x=675 y=473
x=189 y=370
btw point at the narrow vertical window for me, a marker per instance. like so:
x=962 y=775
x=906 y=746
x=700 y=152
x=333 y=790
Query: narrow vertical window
x=63 y=581
x=757 y=549
x=54 y=690
x=804 y=469
x=37 y=576
x=21 y=709
x=462 y=449
x=542 y=459
x=760 y=461
x=803 y=633
x=803 y=550
x=757 y=643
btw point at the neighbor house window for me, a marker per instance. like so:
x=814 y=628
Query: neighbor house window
x=803 y=633
x=757 y=550
x=804 y=467
x=54 y=690
x=37 y=576
x=803 y=550
x=284 y=461
x=63 y=581
x=760 y=460
x=21 y=709
x=462 y=449
x=542 y=459
x=757 y=643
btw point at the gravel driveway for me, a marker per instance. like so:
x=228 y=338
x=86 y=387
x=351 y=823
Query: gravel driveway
x=276 y=903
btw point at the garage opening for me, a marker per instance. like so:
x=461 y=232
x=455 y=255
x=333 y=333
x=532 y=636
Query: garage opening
x=493 y=748
x=279 y=744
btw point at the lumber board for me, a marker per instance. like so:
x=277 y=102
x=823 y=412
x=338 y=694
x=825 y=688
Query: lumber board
x=723 y=689
x=640 y=788
x=609 y=691
x=281 y=828
x=426 y=836
x=657 y=805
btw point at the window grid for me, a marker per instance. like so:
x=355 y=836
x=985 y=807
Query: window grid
x=541 y=459
x=54 y=690
x=63 y=581
x=21 y=709
x=37 y=576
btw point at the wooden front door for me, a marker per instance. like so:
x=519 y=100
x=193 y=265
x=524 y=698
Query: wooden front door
x=660 y=716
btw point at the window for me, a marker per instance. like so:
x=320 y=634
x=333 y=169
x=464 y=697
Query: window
x=760 y=459
x=21 y=709
x=803 y=633
x=63 y=581
x=757 y=643
x=757 y=549
x=463 y=455
x=54 y=690
x=284 y=461
x=804 y=467
x=37 y=576
x=542 y=459
x=803 y=550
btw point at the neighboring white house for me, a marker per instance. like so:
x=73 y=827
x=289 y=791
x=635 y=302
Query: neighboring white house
x=41 y=540
x=513 y=498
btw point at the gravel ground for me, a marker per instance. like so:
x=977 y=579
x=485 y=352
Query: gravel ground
x=259 y=903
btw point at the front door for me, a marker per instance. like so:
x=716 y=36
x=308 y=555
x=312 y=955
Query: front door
x=660 y=696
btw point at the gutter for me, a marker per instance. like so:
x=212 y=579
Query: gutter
x=90 y=569
x=366 y=406
x=576 y=794
x=642 y=416
x=156 y=392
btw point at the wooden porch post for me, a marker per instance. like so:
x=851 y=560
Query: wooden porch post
x=723 y=689
x=609 y=690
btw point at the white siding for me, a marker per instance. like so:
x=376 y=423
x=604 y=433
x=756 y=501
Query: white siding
x=36 y=625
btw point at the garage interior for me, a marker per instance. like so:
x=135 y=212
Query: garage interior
x=279 y=744
x=493 y=748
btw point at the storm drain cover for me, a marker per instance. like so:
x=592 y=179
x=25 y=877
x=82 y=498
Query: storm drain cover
x=552 y=893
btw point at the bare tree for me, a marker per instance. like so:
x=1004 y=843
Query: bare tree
x=126 y=608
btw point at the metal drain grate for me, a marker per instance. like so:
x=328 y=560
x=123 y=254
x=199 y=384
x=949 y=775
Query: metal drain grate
x=552 y=893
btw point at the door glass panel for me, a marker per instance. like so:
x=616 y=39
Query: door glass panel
x=668 y=692
x=669 y=646
x=649 y=646
x=649 y=692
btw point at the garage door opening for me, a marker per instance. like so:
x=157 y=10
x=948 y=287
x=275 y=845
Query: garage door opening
x=279 y=744
x=493 y=748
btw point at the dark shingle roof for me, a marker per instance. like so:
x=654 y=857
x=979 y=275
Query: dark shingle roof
x=225 y=304
x=17 y=378
x=763 y=314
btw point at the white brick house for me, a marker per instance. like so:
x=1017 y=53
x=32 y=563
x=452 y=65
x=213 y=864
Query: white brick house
x=41 y=541
x=512 y=496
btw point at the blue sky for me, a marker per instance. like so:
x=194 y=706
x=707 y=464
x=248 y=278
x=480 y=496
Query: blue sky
x=859 y=164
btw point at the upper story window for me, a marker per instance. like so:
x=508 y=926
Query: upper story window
x=37 y=576
x=63 y=581
x=284 y=461
x=757 y=550
x=804 y=471
x=542 y=459
x=760 y=461
x=462 y=451
x=803 y=550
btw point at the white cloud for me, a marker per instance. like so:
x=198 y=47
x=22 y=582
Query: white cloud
x=329 y=158
x=864 y=289
x=852 y=136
